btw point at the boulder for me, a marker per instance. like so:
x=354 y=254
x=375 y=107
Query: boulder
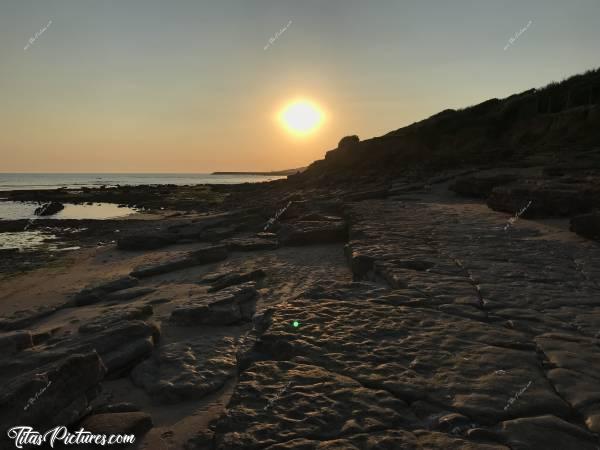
x=26 y=319
x=121 y=345
x=198 y=257
x=98 y=292
x=52 y=395
x=362 y=265
x=49 y=209
x=14 y=342
x=587 y=225
x=181 y=371
x=112 y=316
x=348 y=142
x=232 y=279
x=229 y=306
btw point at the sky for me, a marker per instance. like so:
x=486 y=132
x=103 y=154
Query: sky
x=196 y=85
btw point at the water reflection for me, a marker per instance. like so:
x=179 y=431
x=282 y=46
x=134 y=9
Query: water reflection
x=27 y=240
x=10 y=210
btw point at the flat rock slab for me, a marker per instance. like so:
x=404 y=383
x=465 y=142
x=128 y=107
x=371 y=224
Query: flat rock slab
x=312 y=232
x=548 y=198
x=575 y=375
x=389 y=439
x=187 y=370
x=98 y=292
x=445 y=256
x=226 y=307
x=231 y=279
x=545 y=432
x=120 y=346
x=416 y=354
x=271 y=396
x=195 y=258
x=27 y=318
x=333 y=289
x=112 y=315
x=250 y=244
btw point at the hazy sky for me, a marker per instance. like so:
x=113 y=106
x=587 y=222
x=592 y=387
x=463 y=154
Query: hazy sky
x=187 y=86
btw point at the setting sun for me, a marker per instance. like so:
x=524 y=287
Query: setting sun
x=301 y=117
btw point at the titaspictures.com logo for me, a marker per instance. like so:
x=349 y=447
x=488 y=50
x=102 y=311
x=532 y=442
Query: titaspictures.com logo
x=23 y=435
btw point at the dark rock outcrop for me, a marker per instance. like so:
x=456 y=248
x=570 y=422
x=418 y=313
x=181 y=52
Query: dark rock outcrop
x=120 y=345
x=96 y=293
x=232 y=279
x=348 y=142
x=548 y=198
x=587 y=225
x=229 y=306
x=51 y=395
x=479 y=186
x=26 y=319
x=15 y=341
x=187 y=370
x=204 y=256
x=312 y=232
x=49 y=209
x=114 y=315
x=249 y=244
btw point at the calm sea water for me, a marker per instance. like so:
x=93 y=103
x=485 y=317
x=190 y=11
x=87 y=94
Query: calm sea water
x=10 y=181
x=30 y=240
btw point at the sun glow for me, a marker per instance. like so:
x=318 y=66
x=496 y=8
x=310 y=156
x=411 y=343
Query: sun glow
x=301 y=117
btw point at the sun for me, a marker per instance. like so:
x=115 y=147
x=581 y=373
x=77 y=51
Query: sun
x=301 y=117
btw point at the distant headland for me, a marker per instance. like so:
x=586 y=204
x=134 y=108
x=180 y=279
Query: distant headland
x=273 y=173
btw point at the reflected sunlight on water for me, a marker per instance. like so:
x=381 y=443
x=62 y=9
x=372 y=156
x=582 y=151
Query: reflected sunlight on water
x=24 y=210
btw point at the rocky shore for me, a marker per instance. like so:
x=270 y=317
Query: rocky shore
x=437 y=287
x=297 y=315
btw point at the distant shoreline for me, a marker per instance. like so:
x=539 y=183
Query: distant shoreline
x=273 y=173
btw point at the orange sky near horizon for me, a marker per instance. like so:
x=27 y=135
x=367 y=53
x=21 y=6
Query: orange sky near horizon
x=197 y=86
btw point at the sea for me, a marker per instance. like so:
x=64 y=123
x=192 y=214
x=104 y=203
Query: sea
x=30 y=240
x=14 y=181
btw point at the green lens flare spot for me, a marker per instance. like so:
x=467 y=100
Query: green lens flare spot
x=295 y=324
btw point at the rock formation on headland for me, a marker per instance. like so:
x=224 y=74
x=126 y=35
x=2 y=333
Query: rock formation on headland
x=400 y=298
